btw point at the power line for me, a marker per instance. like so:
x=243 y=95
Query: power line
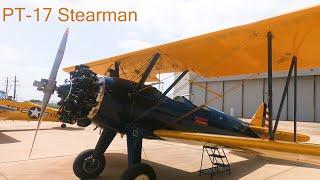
x=9 y=84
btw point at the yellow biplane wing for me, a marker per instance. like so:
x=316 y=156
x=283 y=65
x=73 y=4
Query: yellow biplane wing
x=309 y=153
x=234 y=51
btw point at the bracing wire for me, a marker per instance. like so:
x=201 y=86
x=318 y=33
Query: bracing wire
x=231 y=50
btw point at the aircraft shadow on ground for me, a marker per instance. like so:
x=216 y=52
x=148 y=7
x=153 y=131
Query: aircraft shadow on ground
x=41 y=129
x=5 y=139
x=17 y=130
x=68 y=128
x=116 y=163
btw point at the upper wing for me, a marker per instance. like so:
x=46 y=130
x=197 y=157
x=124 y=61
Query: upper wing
x=134 y=63
x=234 y=51
x=263 y=133
x=307 y=152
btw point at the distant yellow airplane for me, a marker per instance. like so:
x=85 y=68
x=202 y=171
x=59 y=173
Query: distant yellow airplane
x=13 y=110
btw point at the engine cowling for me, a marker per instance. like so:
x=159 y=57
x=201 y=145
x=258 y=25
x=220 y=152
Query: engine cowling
x=79 y=96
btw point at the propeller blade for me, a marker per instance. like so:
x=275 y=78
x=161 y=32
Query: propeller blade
x=45 y=101
x=59 y=56
x=48 y=86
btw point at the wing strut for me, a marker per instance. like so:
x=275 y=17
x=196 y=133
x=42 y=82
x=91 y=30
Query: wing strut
x=147 y=71
x=285 y=92
x=117 y=68
x=293 y=67
x=115 y=72
x=295 y=103
x=270 y=83
x=175 y=82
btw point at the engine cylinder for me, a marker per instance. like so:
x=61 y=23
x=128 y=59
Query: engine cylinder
x=78 y=97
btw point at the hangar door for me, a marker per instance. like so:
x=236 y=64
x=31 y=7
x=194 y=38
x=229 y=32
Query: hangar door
x=233 y=98
x=277 y=86
x=252 y=96
x=305 y=99
x=199 y=94
x=213 y=99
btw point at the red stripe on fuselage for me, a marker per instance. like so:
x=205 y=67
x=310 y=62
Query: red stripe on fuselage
x=201 y=121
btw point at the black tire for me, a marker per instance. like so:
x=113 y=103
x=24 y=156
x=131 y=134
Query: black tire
x=139 y=170
x=83 y=170
x=63 y=125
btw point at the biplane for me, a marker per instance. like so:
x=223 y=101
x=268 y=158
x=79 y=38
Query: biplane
x=14 y=110
x=111 y=93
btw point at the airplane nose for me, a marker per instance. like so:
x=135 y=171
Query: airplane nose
x=78 y=97
x=63 y=90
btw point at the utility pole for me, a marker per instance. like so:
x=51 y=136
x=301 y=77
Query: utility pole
x=14 y=88
x=7 y=85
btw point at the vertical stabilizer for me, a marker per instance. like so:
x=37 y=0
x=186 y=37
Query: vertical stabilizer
x=257 y=119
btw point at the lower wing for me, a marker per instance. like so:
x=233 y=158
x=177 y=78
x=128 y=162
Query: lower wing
x=263 y=133
x=303 y=152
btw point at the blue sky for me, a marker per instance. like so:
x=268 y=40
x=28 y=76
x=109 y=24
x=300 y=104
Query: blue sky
x=27 y=49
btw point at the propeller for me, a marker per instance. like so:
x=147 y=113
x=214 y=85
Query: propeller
x=48 y=86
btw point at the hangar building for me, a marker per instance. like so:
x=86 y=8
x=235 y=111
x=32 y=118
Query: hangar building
x=240 y=96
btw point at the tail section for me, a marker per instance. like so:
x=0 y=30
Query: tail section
x=257 y=119
x=262 y=130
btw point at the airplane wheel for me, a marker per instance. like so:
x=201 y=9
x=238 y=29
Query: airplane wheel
x=85 y=166
x=63 y=125
x=139 y=171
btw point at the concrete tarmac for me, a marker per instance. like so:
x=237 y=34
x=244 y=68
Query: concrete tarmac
x=56 y=148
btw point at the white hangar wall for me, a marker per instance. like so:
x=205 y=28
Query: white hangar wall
x=240 y=96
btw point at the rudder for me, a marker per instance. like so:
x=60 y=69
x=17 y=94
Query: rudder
x=257 y=119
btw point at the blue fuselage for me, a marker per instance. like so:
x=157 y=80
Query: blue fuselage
x=147 y=111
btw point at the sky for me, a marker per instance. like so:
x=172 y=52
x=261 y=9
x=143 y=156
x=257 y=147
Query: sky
x=27 y=49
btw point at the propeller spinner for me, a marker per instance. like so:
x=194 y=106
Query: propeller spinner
x=48 y=86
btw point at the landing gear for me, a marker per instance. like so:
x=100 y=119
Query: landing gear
x=90 y=163
x=63 y=125
x=86 y=166
x=139 y=171
x=136 y=169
